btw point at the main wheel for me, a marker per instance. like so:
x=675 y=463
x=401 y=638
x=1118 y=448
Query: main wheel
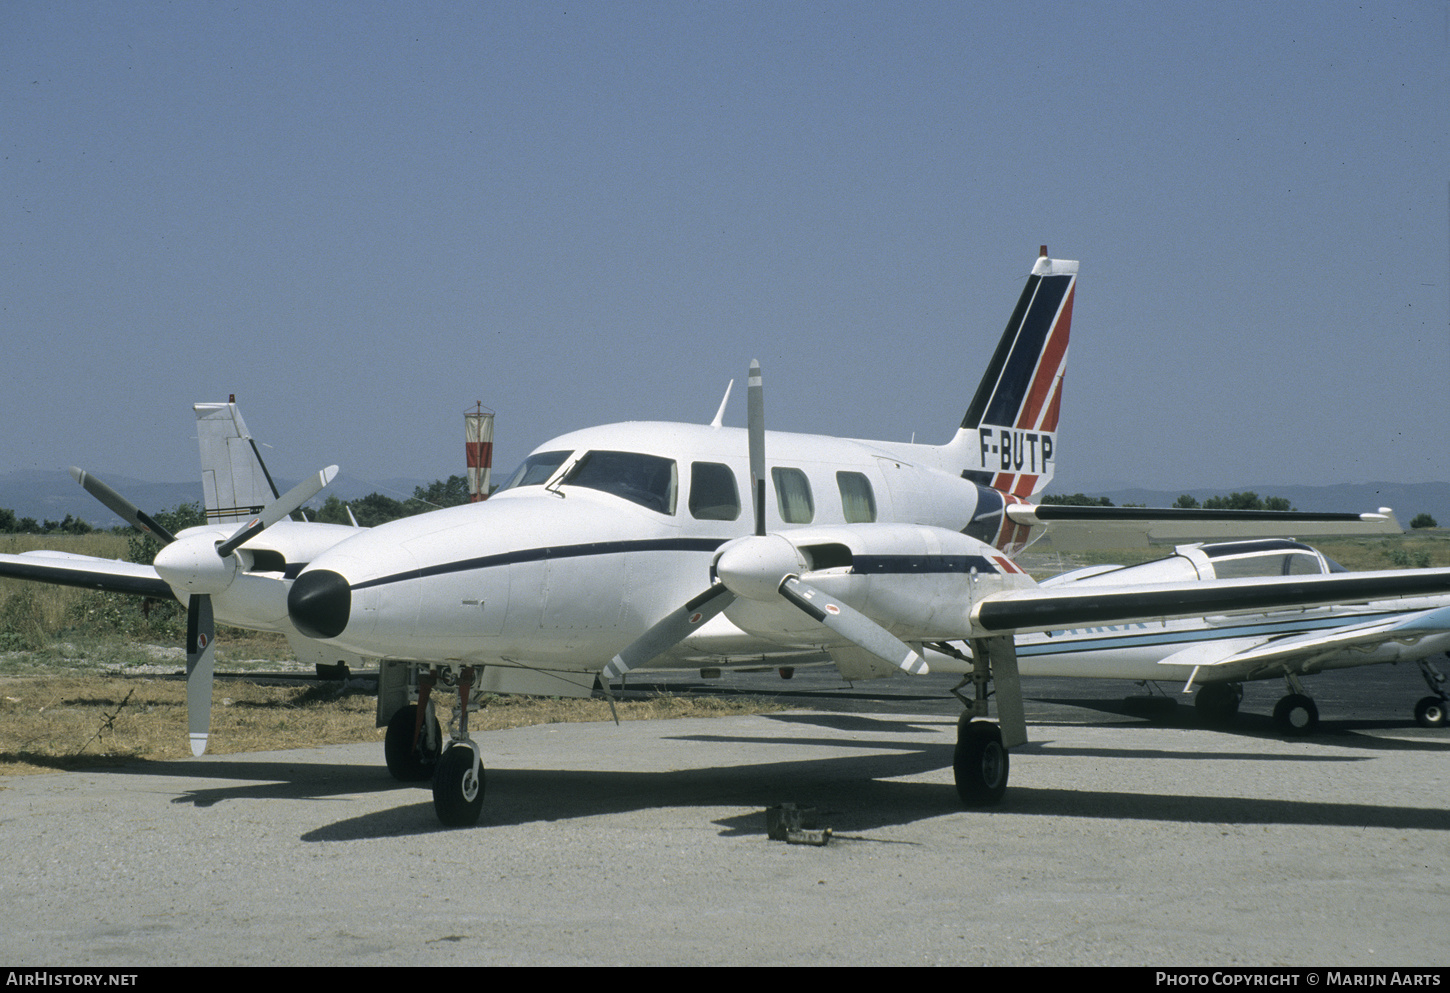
x=1430 y=712
x=457 y=792
x=980 y=763
x=1217 y=703
x=1296 y=714
x=405 y=763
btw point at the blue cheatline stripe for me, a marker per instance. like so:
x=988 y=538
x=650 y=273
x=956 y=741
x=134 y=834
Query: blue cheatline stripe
x=547 y=553
x=1058 y=645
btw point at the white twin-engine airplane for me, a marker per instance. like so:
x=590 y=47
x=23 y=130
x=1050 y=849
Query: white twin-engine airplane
x=666 y=544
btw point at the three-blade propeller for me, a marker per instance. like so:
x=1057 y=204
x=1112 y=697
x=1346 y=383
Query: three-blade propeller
x=765 y=568
x=198 y=566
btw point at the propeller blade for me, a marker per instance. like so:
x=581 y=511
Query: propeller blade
x=676 y=626
x=854 y=626
x=278 y=509
x=755 y=413
x=200 y=656
x=120 y=506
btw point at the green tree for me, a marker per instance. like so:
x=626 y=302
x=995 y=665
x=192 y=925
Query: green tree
x=1423 y=521
x=1186 y=501
x=1077 y=500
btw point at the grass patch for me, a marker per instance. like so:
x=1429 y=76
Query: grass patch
x=57 y=723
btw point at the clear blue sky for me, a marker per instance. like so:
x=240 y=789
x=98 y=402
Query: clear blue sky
x=362 y=217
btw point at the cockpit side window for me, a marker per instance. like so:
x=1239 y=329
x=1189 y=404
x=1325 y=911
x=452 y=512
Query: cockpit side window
x=793 y=495
x=714 y=495
x=535 y=470
x=648 y=480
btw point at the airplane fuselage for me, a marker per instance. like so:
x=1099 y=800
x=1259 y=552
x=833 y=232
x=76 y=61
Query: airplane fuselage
x=604 y=530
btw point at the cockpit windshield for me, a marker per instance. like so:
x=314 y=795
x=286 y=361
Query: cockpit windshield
x=536 y=469
x=648 y=480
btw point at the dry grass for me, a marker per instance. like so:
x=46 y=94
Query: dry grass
x=55 y=723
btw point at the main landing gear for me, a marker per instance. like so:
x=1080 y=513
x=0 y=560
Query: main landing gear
x=1430 y=711
x=980 y=763
x=1218 y=703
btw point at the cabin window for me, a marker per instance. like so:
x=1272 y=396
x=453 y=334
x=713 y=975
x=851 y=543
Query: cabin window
x=647 y=480
x=536 y=469
x=714 y=495
x=793 y=495
x=858 y=503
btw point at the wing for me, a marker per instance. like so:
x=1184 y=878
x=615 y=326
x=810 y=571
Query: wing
x=1410 y=636
x=1073 y=529
x=1039 y=609
x=86 y=572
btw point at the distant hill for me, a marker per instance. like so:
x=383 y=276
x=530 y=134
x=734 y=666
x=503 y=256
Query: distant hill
x=1406 y=499
x=51 y=494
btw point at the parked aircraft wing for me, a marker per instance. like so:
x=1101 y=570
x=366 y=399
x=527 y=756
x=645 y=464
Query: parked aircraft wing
x=1300 y=653
x=1040 y=609
x=86 y=572
x=1072 y=529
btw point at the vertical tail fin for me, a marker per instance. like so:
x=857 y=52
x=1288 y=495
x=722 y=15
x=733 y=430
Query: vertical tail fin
x=1008 y=438
x=235 y=483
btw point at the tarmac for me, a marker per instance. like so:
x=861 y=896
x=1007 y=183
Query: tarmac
x=1120 y=842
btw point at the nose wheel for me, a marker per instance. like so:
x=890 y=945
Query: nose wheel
x=458 y=786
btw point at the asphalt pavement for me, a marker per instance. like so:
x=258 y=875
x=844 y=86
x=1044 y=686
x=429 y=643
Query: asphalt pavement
x=1125 y=839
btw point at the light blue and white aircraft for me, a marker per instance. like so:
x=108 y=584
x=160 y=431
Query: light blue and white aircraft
x=1219 y=652
x=666 y=544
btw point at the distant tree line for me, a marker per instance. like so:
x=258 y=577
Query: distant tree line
x=370 y=511
x=10 y=524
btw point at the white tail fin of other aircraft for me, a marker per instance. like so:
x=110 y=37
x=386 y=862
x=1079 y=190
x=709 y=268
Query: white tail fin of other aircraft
x=234 y=481
x=1008 y=438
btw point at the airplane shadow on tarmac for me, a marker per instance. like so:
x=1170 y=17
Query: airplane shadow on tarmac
x=853 y=793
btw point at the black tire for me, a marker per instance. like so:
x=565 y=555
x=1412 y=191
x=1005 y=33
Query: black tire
x=1296 y=715
x=404 y=763
x=1430 y=712
x=980 y=763
x=457 y=799
x=1218 y=703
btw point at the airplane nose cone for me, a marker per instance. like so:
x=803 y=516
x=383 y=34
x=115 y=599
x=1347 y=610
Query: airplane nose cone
x=319 y=603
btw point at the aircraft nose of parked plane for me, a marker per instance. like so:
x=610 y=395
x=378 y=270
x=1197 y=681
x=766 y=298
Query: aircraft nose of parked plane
x=319 y=603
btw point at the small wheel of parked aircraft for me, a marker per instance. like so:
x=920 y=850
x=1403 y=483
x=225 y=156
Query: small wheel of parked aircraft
x=1217 y=703
x=457 y=792
x=1430 y=712
x=1296 y=714
x=980 y=763
x=405 y=763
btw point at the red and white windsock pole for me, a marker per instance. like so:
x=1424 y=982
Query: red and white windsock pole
x=478 y=435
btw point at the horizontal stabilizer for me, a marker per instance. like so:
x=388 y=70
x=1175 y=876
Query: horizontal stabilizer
x=1074 y=529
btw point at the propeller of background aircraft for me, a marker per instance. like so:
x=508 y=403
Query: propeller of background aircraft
x=766 y=568
x=200 y=566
